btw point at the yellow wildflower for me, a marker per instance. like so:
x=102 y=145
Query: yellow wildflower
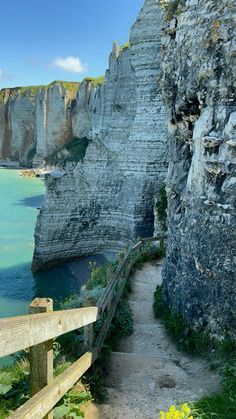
x=172 y=409
x=185 y=409
x=182 y=412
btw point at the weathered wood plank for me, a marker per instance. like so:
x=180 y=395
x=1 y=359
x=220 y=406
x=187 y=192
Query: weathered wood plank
x=137 y=245
x=17 y=333
x=106 y=297
x=41 y=355
x=44 y=401
x=105 y=327
x=154 y=239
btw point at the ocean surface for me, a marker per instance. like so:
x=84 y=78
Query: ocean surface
x=20 y=199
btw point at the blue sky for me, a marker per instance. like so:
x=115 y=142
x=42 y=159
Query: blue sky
x=46 y=40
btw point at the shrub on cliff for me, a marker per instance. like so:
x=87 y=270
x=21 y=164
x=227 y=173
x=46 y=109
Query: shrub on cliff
x=73 y=151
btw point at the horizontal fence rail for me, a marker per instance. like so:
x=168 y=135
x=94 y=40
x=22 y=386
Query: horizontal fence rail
x=18 y=333
x=38 y=329
x=44 y=401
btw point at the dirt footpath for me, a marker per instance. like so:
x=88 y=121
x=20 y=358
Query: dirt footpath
x=148 y=374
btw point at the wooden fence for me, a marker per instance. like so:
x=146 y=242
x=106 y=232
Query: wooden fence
x=38 y=329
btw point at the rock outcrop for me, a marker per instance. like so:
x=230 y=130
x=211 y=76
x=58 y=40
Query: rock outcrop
x=199 y=85
x=108 y=199
x=35 y=121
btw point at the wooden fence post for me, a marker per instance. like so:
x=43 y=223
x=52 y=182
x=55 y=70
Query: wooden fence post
x=162 y=243
x=88 y=332
x=88 y=337
x=41 y=356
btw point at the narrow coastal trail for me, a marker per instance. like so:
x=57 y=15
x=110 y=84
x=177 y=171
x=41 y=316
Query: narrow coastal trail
x=148 y=374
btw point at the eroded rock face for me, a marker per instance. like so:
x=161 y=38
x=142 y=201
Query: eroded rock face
x=199 y=85
x=108 y=199
x=35 y=121
x=17 y=125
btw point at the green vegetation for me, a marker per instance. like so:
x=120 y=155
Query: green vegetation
x=14 y=391
x=159 y=253
x=71 y=86
x=94 y=287
x=222 y=405
x=14 y=387
x=125 y=46
x=161 y=207
x=99 y=81
x=172 y=8
x=73 y=151
x=99 y=276
x=70 y=404
x=34 y=90
x=219 y=355
x=25 y=90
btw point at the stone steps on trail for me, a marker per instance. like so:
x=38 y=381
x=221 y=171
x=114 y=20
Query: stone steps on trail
x=148 y=338
x=150 y=380
x=147 y=373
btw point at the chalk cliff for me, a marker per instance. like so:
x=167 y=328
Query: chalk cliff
x=35 y=121
x=107 y=196
x=107 y=199
x=199 y=86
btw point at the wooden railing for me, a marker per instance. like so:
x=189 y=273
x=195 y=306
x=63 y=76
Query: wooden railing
x=38 y=329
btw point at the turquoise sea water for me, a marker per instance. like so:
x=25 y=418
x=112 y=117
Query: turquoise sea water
x=20 y=198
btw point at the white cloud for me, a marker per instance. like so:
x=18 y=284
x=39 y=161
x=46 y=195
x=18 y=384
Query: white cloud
x=71 y=64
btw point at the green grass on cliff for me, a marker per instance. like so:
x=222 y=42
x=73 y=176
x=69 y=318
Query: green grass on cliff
x=125 y=46
x=73 y=151
x=99 y=81
x=72 y=87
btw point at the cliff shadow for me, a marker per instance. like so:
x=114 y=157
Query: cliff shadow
x=32 y=201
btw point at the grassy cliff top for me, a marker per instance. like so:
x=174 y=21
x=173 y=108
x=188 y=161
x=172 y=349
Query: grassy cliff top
x=96 y=81
x=72 y=87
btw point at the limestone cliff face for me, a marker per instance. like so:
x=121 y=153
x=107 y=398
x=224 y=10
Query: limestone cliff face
x=35 y=121
x=107 y=199
x=199 y=85
x=17 y=125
